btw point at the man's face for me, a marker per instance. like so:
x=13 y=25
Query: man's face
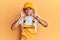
x=29 y=12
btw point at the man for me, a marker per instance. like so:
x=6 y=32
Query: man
x=28 y=22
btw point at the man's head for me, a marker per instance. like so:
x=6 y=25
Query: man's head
x=28 y=8
x=29 y=11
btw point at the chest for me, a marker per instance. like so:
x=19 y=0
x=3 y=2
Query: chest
x=29 y=20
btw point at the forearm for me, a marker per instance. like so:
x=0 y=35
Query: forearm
x=16 y=20
x=15 y=24
x=42 y=22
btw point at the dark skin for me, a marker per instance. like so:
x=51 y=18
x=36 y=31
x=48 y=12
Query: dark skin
x=28 y=12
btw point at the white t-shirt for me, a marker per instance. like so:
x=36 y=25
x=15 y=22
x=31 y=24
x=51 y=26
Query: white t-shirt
x=29 y=21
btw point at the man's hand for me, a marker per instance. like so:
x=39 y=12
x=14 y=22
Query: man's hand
x=22 y=14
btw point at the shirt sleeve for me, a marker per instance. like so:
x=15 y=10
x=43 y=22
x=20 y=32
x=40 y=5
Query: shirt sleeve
x=21 y=21
x=35 y=25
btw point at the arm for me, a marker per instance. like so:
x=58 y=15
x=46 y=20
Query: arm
x=41 y=21
x=15 y=24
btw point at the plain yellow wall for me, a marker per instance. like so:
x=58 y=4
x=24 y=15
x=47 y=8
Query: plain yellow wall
x=49 y=10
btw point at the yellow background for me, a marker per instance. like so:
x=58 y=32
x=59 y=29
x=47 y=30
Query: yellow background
x=49 y=10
